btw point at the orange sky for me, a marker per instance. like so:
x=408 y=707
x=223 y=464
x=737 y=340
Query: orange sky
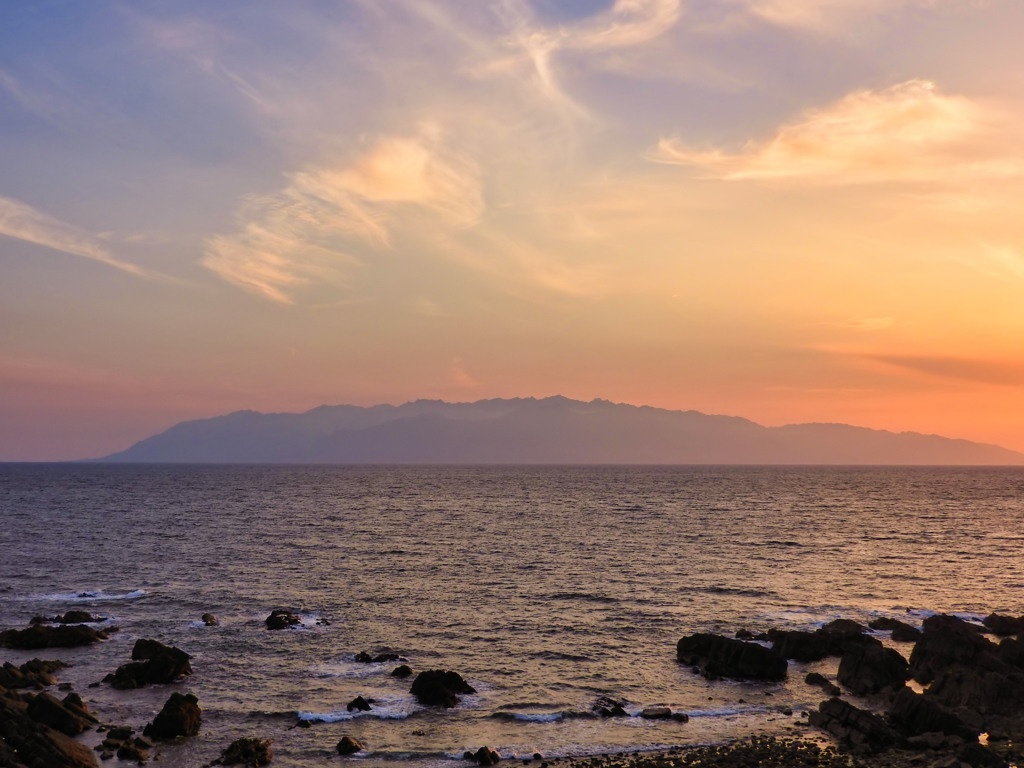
x=787 y=210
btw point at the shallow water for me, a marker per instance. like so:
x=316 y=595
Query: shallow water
x=546 y=587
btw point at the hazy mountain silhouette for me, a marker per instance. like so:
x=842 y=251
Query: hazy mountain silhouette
x=553 y=430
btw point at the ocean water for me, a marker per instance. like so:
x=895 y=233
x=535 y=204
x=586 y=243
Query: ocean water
x=545 y=587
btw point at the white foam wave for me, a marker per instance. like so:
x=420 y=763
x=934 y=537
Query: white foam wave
x=384 y=708
x=85 y=596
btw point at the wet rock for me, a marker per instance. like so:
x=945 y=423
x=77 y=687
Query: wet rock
x=829 y=640
x=859 y=730
x=156 y=664
x=486 y=756
x=401 y=672
x=947 y=640
x=26 y=741
x=209 y=619
x=1004 y=625
x=656 y=713
x=359 y=704
x=180 y=716
x=69 y=720
x=716 y=656
x=281 y=619
x=435 y=687
x=978 y=756
x=250 y=752
x=819 y=680
x=132 y=751
x=32 y=674
x=901 y=631
x=606 y=706
x=915 y=714
x=870 y=667
x=349 y=746
x=42 y=636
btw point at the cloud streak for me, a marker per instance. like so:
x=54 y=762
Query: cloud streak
x=23 y=222
x=326 y=214
x=908 y=132
x=835 y=15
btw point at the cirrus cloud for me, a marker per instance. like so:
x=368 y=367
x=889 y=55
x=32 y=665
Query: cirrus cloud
x=908 y=132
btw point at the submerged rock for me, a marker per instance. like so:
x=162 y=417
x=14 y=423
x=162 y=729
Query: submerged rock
x=435 y=687
x=716 y=656
x=359 y=704
x=349 y=746
x=606 y=706
x=281 y=619
x=209 y=619
x=250 y=752
x=402 y=671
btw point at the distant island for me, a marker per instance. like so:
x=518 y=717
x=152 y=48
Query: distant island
x=551 y=430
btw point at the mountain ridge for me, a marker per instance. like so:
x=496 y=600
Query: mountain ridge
x=551 y=430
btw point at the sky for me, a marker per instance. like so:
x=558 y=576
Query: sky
x=786 y=210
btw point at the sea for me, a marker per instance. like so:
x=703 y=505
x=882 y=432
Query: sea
x=545 y=587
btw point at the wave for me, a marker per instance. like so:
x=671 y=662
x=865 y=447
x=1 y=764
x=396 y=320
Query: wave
x=741 y=592
x=556 y=656
x=85 y=596
x=585 y=596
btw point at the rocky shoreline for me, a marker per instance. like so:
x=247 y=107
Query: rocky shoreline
x=957 y=701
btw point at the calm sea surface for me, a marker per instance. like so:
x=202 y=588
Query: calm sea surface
x=545 y=587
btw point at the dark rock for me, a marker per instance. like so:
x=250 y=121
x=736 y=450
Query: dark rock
x=656 y=713
x=359 y=704
x=1004 y=625
x=606 y=706
x=180 y=716
x=401 y=672
x=132 y=751
x=71 y=721
x=349 y=746
x=680 y=717
x=744 y=634
x=41 y=636
x=814 y=678
x=947 y=640
x=990 y=687
x=77 y=617
x=859 y=730
x=486 y=756
x=157 y=664
x=870 y=667
x=978 y=756
x=120 y=733
x=281 y=619
x=435 y=687
x=1011 y=650
x=901 y=631
x=32 y=674
x=381 y=658
x=25 y=741
x=364 y=658
x=209 y=620
x=800 y=646
x=250 y=752
x=716 y=656
x=915 y=714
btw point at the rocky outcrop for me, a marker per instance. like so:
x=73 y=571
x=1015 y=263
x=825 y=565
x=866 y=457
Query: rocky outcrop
x=1004 y=626
x=829 y=640
x=946 y=640
x=402 y=671
x=869 y=667
x=349 y=746
x=250 y=752
x=915 y=714
x=42 y=636
x=606 y=706
x=282 y=619
x=484 y=756
x=438 y=688
x=900 y=631
x=857 y=729
x=70 y=716
x=155 y=664
x=32 y=674
x=180 y=716
x=714 y=656
x=27 y=741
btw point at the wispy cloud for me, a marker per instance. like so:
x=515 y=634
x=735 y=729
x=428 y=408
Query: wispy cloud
x=834 y=15
x=1002 y=372
x=326 y=213
x=24 y=222
x=908 y=132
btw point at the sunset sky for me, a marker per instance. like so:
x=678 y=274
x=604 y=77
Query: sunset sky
x=787 y=210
